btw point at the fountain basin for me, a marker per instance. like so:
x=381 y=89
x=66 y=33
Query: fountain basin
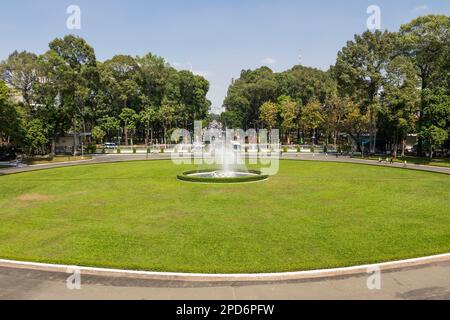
x=219 y=176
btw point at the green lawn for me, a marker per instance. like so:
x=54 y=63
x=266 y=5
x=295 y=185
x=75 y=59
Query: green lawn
x=138 y=216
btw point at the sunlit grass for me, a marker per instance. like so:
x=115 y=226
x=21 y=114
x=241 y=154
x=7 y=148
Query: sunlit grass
x=137 y=215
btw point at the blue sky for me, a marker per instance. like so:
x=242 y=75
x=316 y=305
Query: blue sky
x=214 y=38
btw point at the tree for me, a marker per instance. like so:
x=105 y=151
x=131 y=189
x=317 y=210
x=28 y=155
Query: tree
x=304 y=84
x=110 y=124
x=148 y=117
x=289 y=112
x=10 y=117
x=35 y=136
x=122 y=76
x=248 y=93
x=49 y=96
x=312 y=117
x=231 y=119
x=355 y=122
x=20 y=72
x=359 y=70
x=98 y=134
x=435 y=127
x=75 y=51
x=69 y=71
x=334 y=110
x=400 y=100
x=167 y=115
x=154 y=75
x=193 y=90
x=269 y=114
x=129 y=119
x=435 y=136
x=426 y=40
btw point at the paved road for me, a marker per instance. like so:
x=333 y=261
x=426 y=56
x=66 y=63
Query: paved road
x=426 y=282
x=317 y=157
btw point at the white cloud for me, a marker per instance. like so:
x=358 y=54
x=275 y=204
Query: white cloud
x=269 y=61
x=422 y=7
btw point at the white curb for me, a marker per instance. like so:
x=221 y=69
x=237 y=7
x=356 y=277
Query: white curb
x=198 y=277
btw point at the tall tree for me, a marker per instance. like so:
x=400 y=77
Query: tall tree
x=110 y=125
x=269 y=112
x=35 y=136
x=167 y=114
x=10 y=118
x=400 y=100
x=289 y=113
x=359 y=70
x=20 y=72
x=70 y=70
x=148 y=117
x=435 y=128
x=129 y=119
x=312 y=118
x=248 y=93
x=334 y=109
x=355 y=122
x=426 y=40
x=155 y=73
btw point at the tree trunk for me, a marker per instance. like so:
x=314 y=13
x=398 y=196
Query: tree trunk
x=374 y=144
x=394 y=150
x=394 y=145
x=126 y=135
x=403 y=147
x=75 y=144
x=371 y=131
x=147 y=134
x=53 y=147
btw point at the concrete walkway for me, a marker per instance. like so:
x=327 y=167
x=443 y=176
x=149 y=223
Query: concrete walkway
x=291 y=156
x=425 y=282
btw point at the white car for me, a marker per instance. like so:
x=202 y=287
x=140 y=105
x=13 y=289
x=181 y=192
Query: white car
x=110 y=145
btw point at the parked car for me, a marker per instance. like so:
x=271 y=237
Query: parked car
x=110 y=145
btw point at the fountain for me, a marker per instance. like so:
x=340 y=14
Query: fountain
x=226 y=153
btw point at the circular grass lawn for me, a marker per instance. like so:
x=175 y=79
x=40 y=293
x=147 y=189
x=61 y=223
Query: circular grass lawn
x=137 y=215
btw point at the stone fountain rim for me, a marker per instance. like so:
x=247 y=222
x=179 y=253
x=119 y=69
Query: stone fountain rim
x=256 y=176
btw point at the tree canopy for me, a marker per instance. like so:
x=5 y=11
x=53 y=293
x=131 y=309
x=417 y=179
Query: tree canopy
x=384 y=85
x=68 y=91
